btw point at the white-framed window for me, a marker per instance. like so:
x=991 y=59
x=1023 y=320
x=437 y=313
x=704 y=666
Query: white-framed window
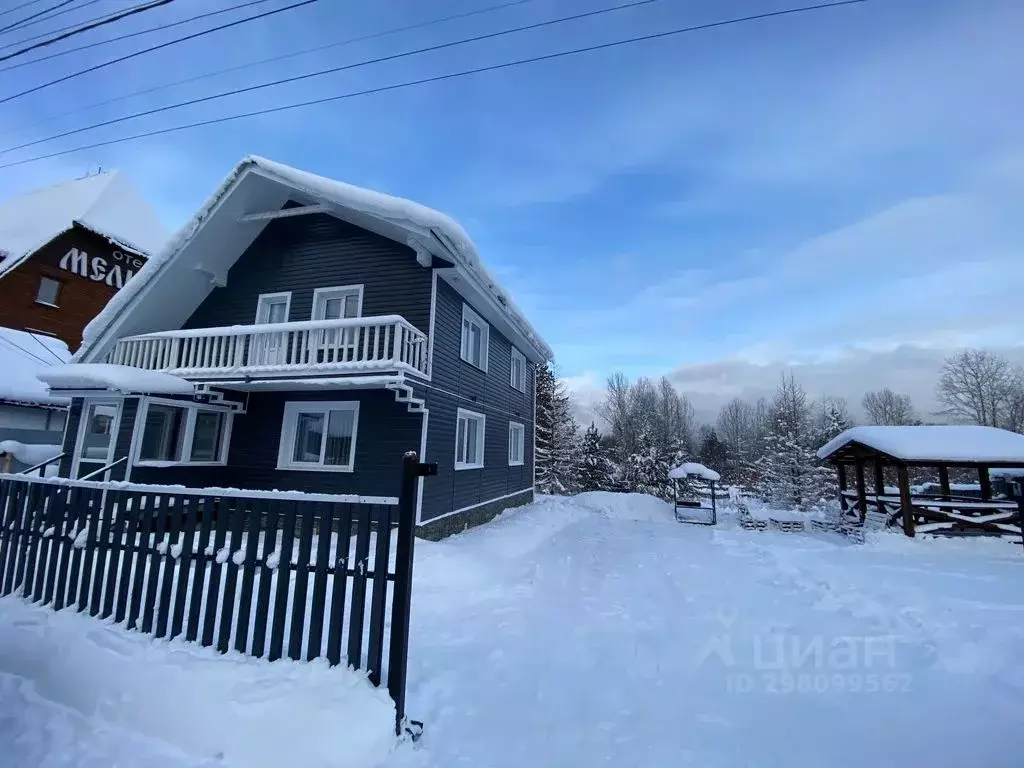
x=48 y=291
x=173 y=433
x=319 y=436
x=273 y=307
x=338 y=302
x=517 y=379
x=475 y=337
x=469 y=439
x=516 y=443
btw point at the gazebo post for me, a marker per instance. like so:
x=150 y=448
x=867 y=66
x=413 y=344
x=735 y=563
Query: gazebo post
x=986 y=483
x=944 y=481
x=906 y=505
x=841 y=471
x=862 y=493
x=879 y=477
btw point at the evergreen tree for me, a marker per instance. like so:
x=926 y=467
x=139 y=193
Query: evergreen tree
x=713 y=453
x=556 y=435
x=595 y=470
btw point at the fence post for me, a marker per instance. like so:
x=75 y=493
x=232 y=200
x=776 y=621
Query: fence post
x=398 y=652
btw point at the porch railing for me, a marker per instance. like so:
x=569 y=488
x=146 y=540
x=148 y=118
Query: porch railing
x=365 y=344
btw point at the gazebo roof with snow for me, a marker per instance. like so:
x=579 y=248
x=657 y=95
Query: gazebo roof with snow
x=952 y=445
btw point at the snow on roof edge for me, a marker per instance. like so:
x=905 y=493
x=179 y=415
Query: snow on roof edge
x=465 y=250
x=943 y=443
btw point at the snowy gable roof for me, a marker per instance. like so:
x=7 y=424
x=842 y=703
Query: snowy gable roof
x=22 y=357
x=105 y=203
x=217 y=237
x=952 y=443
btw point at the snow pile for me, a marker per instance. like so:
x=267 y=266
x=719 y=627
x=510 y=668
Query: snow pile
x=24 y=355
x=122 y=378
x=105 y=203
x=29 y=454
x=229 y=709
x=693 y=469
x=626 y=506
x=935 y=443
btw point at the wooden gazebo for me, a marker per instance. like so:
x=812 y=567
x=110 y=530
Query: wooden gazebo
x=978 y=449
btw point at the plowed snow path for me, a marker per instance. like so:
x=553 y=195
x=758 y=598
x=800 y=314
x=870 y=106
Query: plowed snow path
x=558 y=636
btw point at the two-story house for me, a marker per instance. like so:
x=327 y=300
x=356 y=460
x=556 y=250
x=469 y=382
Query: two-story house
x=301 y=334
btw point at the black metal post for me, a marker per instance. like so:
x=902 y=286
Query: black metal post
x=398 y=652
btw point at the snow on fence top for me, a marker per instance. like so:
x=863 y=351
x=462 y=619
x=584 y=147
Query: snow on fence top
x=121 y=378
x=22 y=356
x=416 y=221
x=953 y=443
x=105 y=203
x=693 y=469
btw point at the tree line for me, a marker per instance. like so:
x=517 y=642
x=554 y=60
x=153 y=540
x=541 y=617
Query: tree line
x=767 y=447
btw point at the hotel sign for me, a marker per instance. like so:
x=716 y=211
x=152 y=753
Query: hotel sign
x=115 y=271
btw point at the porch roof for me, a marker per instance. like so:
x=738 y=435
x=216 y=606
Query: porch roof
x=961 y=444
x=118 y=378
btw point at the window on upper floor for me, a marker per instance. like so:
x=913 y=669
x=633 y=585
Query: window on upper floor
x=273 y=308
x=319 y=436
x=517 y=378
x=48 y=291
x=516 y=443
x=475 y=338
x=339 y=302
x=469 y=439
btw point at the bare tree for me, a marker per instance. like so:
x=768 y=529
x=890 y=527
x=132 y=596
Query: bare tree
x=975 y=386
x=790 y=409
x=888 y=408
x=736 y=426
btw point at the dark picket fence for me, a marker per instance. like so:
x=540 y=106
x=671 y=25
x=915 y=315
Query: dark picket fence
x=268 y=575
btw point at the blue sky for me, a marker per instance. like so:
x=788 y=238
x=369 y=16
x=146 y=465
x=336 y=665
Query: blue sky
x=838 y=192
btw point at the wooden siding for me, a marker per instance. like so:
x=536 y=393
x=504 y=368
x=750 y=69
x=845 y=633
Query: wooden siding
x=79 y=297
x=303 y=253
x=457 y=384
x=70 y=436
x=386 y=431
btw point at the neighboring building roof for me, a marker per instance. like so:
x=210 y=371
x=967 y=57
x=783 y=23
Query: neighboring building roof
x=105 y=203
x=428 y=232
x=22 y=357
x=943 y=444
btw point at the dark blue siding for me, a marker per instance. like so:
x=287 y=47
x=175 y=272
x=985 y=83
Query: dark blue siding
x=386 y=431
x=457 y=384
x=302 y=253
x=70 y=436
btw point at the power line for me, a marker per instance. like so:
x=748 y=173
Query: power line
x=49 y=32
x=331 y=70
x=439 y=78
x=153 y=48
x=135 y=9
x=19 y=7
x=22 y=23
x=281 y=57
x=24 y=351
x=119 y=38
x=49 y=351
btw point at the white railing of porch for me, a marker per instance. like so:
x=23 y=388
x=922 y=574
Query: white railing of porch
x=387 y=342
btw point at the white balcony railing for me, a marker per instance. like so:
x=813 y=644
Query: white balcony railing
x=365 y=344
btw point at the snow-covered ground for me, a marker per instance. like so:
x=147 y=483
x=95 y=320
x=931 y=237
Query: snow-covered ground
x=582 y=632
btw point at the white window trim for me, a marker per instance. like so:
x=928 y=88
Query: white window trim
x=342 y=289
x=516 y=426
x=292 y=409
x=191 y=409
x=268 y=297
x=511 y=370
x=115 y=428
x=464 y=413
x=56 y=295
x=468 y=313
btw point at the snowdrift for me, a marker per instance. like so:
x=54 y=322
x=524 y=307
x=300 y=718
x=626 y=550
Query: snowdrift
x=626 y=506
x=230 y=708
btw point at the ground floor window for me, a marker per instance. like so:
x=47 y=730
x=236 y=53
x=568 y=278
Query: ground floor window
x=183 y=434
x=469 y=440
x=516 y=443
x=319 y=436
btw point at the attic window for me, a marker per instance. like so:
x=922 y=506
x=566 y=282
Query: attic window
x=48 y=291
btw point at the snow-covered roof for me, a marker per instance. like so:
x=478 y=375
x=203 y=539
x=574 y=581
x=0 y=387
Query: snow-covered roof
x=121 y=378
x=24 y=355
x=106 y=203
x=952 y=443
x=693 y=469
x=201 y=253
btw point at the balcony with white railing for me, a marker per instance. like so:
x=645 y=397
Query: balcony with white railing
x=382 y=344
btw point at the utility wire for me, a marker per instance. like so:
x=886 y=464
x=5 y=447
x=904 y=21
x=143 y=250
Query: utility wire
x=24 y=351
x=440 y=78
x=50 y=32
x=281 y=57
x=153 y=48
x=331 y=70
x=49 y=351
x=135 y=9
x=119 y=38
x=19 y=7
x=28 y=20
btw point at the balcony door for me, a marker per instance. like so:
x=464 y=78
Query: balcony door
x=334 y=345
x=271 y=348
x=97 y=433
